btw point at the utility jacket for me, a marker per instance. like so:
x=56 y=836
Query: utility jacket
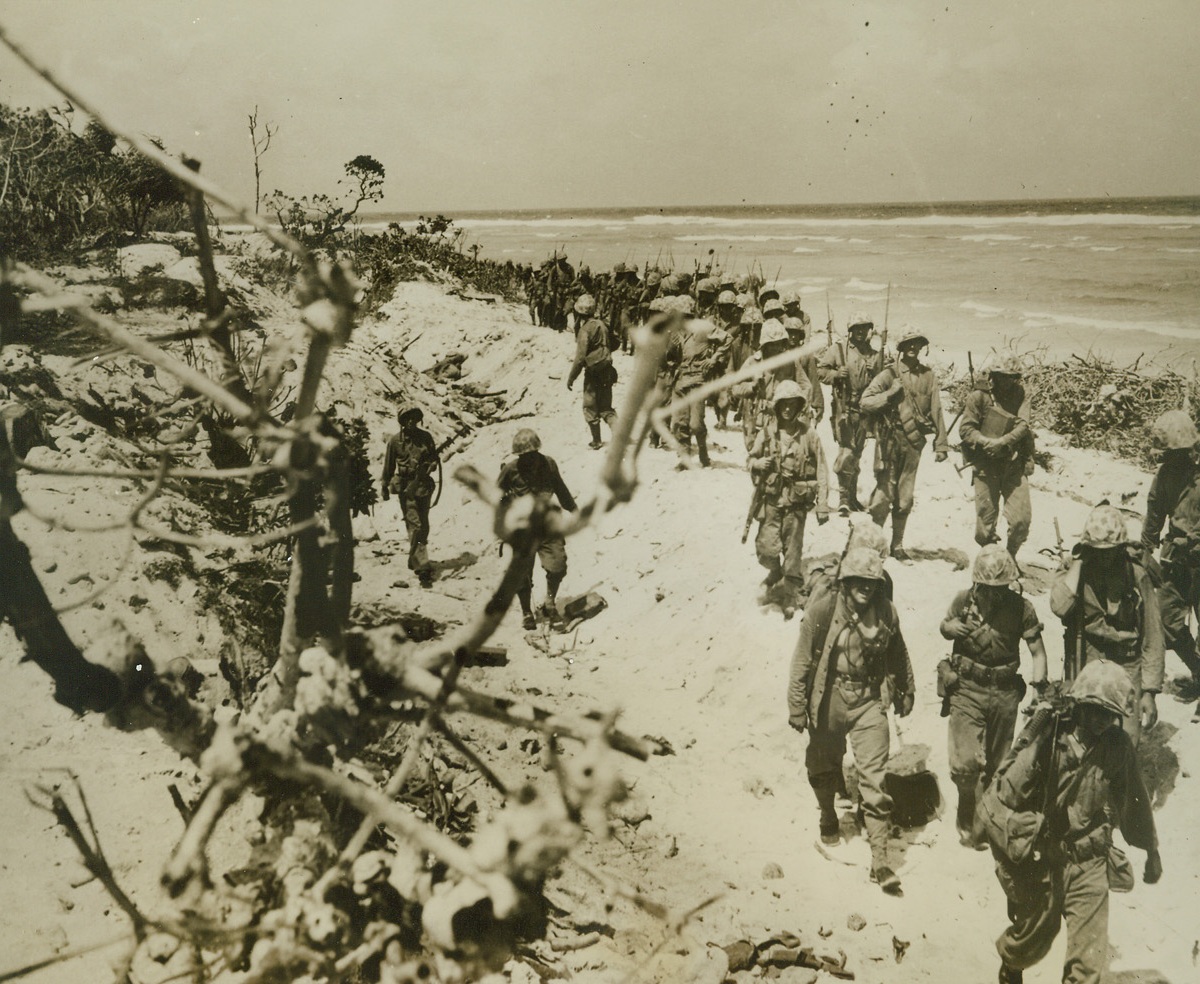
x=815 y=658
x=1174 y=497
x=910 y=402
x=1000 y=622
x=534 y=474
x=1015 y=446
x=409 y=462
x=861 y=368
x=792 y=466
x=591 y=349
x=697 y=359
x=1119 y=614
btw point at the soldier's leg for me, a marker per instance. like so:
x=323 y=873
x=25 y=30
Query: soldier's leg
x=967 y=729
x=902 y=505
x=1018 y=513
x=590 y=411
x=681 y=419
x=1085 y=909
x=1034 y=894
x=792 y=543
x=823 y=760
x=880 y=504
x=1133 y=722
x=1004 y=704
x=700 y=430
x=858 y=435
x=987 y=508
x=553 y=555
x=869 y=743
x=1175 y=601
x=768 y=543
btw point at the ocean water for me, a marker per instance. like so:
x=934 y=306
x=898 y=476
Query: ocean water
x=1120 y=277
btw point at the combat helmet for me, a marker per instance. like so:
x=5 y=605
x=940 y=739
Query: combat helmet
x=526 y=439
x=860 y=320
x=1104 y=683
x=863 y=563
x=707 y=285
x=994 y=565
x=911 y=337
x=772 y=306
x=772 y=331
x=727 y=298
x=1104 y=529
x=1008 y=366
x=407 y=410
x=788 y=389
x=868 y=536
x=767 y=294
x=1174 y=430
x=585 y=304
x=751 y=316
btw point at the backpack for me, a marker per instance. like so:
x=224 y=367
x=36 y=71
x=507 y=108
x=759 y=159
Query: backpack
x=1013 y=806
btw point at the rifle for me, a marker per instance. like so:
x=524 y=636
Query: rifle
x=828 y=320
x=755 y=502
x=887 y=306
x=958 y=416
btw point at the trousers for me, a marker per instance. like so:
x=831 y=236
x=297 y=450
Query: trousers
x=416 y=521
x=857 y=715
x=1041 y=896
x=895 y=482
x=781 y=531
x=1011 y=486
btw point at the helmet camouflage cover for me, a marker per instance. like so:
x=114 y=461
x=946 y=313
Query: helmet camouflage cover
x=727 y=297
x=752 y=316
x=1106 y=684
x=526 y=439
x=585 y=304
x=1105 y=527
x=1175 y=430
x=861 y=562
x=788 y=389
x=994 y=565
x=772 y=331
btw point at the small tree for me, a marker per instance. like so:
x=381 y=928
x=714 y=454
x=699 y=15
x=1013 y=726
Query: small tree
x=260 y=144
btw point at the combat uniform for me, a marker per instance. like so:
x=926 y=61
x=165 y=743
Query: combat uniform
x=998 y=443
x=408 y=465
x=845 y=667
x=791 y=467
x=698 y=357
x=906 y=407
x=593 y=357
x=1094 y=789
x=1108 y=594
x=1174 y=500
x=850 y=427
x=986 y=693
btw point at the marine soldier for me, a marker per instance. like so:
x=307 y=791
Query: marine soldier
x=905 y=404
x=696 y=350
x=593 y=357
x=997 y=442
x=409 y=462
x=981 y=683
x=806 y=372
x=787 y=464
x=1174 y=500
x=1090 y=784
x=756 y=394
x=537 y=474
x=1109 y=610
x=849 y=661
x=848 y=369
x=728 y=320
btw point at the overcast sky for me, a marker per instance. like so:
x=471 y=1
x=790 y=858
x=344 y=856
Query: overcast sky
x=551 y=104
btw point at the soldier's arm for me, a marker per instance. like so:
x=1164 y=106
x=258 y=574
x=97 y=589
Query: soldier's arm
x=582 y=344
x=1128 y=795
x=565 y=499
x=822 y=506
x=1153 y=643
x=877 y=397
x=1156 y=513
x=829 y=364
x=804 y=661
x=389 y=462
x=902 y=665
x=941 y=440
x=953 y=625
x=972 y=418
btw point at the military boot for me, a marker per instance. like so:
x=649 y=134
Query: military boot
x=845 y=496
x=898 y=526
x=970 y=832
x=881 y=869
x=824 y=787
x=702 y=450
x=596 y=442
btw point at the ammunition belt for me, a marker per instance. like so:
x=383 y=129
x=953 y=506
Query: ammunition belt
x=989 y=676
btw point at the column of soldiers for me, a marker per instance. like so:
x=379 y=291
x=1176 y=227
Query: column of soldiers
x=1119 y=607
